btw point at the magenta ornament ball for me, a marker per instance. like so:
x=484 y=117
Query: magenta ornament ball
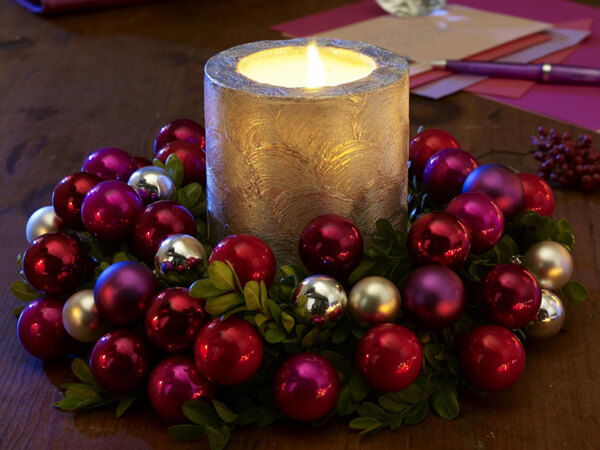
x=175 y=381
x=510 y=295
x=54 y=263
x=180 y=130
x=109 y=210
x=41 y=331
x=501 y=183
x=121 y=361
x=123 y=292
x=159 y=221
x=174 y=318
x=306 y=387
x=446 y=171
x=439 y=238
x=110 y=163
x=434 y=296
x=482 y=217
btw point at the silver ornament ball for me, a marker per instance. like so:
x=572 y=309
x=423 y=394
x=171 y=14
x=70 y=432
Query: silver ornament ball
x=551 y=263
x=42 y=221
x=374 y=300
x=80 y=317
x=152 y=184
x=320 y=299
x=180 y=254
x=550 y=318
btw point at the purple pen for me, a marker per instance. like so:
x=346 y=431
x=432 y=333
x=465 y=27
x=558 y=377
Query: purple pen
x=545 y=72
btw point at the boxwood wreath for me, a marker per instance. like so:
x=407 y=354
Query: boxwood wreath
x=285 y=331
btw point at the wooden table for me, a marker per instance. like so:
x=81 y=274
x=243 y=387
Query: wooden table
x=83 y=81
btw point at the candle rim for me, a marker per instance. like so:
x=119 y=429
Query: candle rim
x=221 y=69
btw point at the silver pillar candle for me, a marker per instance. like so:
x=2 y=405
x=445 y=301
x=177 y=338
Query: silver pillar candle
x=279 y=153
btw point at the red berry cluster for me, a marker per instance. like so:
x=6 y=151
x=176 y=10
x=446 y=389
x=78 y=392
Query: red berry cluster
x=567 y=162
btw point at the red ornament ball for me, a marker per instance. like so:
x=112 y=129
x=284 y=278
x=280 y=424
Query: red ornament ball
x=482 y=217
x=192 y=157
x=123 y=292
x=41 y=331
x=510 y=295
x=538 y=194
x=426 y=144
x=306 y=387
x=251 y=257
x=54 y=263
x=439 y=238
x=68 y=196
x=110 y=164
x=434 y=296
x=331 y=245
x=501 y=183
x=121 y=361
x=142 y=162
x=157 y=222
x=446 y=172
x=228 y=351
x=174 y=318
x=109 y=210
x=389 y=357
x=492 y=358
x=175 y=381
x=180 y=130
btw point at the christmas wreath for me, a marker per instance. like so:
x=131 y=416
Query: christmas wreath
x=117 y=272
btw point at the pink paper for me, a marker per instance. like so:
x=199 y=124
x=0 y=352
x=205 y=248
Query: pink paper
x=578 y=105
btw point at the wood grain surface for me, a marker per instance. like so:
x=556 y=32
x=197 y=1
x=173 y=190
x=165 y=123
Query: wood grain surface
x=110 y=78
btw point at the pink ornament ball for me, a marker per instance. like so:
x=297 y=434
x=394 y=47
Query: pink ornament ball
x=109 y=210
x=175 y=381
x=426 y=144
x=157 y=222
x=446 y=171
x=482 y=217
x=110 y=163
x=121 y=361
x=501 y=183
x=306 y=387
x=434 y=296
x=41 y=331
x=180 y=130
x=192 y=157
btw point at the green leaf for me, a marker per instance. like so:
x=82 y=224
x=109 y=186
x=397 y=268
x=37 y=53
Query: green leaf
x=119 y=257
x=274 y=336
x=221 y=276
x=219 y=305
x=372 y=410
x=411 y=394
x=175 y=168
x=361 y=271
x=186 y=432
x=392 y=402
x=431 y=351
x=158 y=163
x=205 y=289
x=217 y=437
x=200 y=413
x=82 y=371
x=124 y=405
x=260 y=319
x=444 y=401
x=193 y=193
x=575 y=292
x=274 y=309
x=252 y=295
x=358 y=388
x=287 y=321
x=83 y=391
x=23 y=291
x=339 y=335
x=417 y=414
x=18 y=310
x=224 y=412
x=363 y=423
x=346 y=404
x=264 y=296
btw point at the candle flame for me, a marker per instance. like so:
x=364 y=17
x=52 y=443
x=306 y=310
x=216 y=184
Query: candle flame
x=315 y=71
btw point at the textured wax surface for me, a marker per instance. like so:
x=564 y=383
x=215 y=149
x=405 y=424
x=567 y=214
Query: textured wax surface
x=279 y=157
